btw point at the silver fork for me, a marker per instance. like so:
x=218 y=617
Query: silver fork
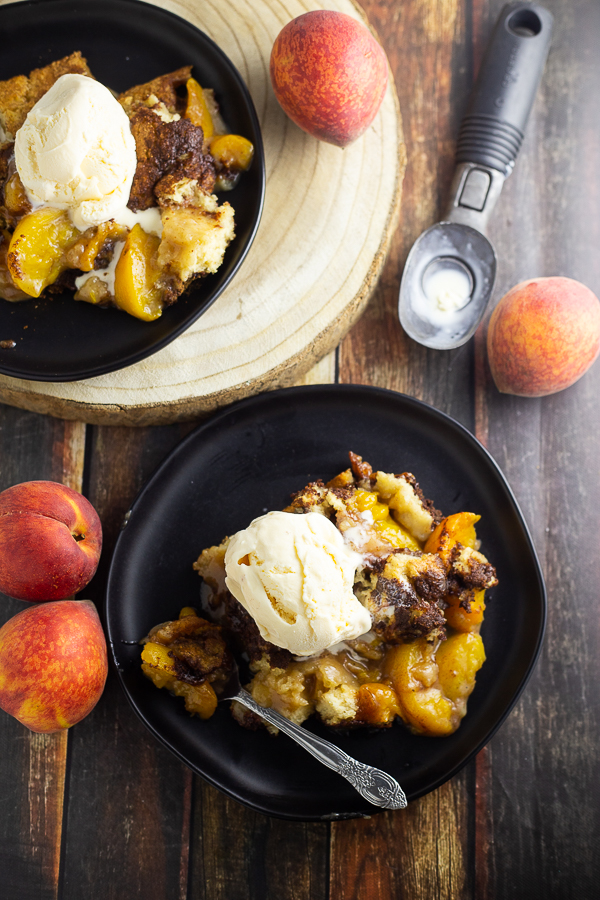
x=374 y=785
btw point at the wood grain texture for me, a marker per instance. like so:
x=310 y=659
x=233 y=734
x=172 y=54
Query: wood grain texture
x=542 y=790
x=238 y=854
x=418 y=852
x=483 y=834
x=423 y=851
x=32 y=777
x=327 y=224
x=521 y=822
x=427 y=46
x=129 y=799
x=135 y=790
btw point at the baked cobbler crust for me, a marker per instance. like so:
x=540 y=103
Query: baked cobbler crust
x=175 y=123
x=20 y=94
x=422 y=578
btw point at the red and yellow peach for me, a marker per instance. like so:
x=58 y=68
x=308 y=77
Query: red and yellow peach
x=543 y=335
x=329 y=75
x=50 y=541
x=53 y=664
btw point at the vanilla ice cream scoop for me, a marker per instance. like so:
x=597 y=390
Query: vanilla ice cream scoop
x=294 y=574
x=76 y=151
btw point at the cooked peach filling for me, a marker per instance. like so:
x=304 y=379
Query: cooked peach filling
x=426 y=684
x=187 y=657
x=184 y=153
x=38 y=248
x=423 y=581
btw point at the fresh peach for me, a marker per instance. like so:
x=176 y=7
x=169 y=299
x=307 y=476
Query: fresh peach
x=329 y=74
x=50 y=541
x=543 y=336
x=53 y=664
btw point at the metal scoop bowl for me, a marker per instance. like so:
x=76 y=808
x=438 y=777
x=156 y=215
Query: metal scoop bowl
x=446 y=247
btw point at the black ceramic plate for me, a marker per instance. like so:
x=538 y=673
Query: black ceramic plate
x=125 y=43
x=249 y=459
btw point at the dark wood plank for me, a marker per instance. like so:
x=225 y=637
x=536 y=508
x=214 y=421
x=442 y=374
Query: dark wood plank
x=32 y=775
x=482 y=19
x=430 y=57
x=144 y=806
x=423 y=851
x=418 y=852
x=127 y=820
x=521 y=821
x=540 y=788
x=482 y=825
x=238 y=854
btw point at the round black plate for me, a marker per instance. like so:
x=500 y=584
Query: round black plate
x=250 y=458
x=125 y=43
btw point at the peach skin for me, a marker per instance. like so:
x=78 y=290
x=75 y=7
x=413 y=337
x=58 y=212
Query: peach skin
x=329 y=75
x=50 y=541
x=543 y=336
x=53 y=664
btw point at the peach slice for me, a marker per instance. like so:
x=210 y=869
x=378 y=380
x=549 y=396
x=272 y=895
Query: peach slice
x=377 y=704
x=458 y=528
x=136 y=274
x=82 y=254
x=15 y=198
x=459 y=618
x=36 y=254
x=197 y=110
x=459 y=659
x=232 y=151
x=428 y=712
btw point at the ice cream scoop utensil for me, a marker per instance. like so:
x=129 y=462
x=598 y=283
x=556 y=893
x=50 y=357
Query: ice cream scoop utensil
x=490 y=138
x=376 y=786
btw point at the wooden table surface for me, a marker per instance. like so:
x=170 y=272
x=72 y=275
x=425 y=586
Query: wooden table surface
x=104 y=812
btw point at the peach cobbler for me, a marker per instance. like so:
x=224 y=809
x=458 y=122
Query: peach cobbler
x=360 y=603
x=112 y=197
x=190 y=658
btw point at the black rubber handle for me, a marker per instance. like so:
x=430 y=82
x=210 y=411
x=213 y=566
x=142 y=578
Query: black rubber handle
x=492 y=130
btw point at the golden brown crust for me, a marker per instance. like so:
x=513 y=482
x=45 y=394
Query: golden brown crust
x=174 y=171
x=164 y=149
x=165 y=88
x=374 y=679
x=197 y=168
x=197 y=648
x=246 y=718
x=327 y=499
x=468 y=572
x=407 y=598
x=6 y=154
x=241 y=624
x=19 y=94
x=429 y=505
x=362 y=470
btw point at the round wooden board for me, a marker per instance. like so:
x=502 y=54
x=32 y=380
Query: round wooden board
x=328 y=220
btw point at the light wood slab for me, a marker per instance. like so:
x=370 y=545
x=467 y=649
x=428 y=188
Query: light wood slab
x=327 y=224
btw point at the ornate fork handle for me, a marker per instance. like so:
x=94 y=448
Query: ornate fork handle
x=374 y=785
